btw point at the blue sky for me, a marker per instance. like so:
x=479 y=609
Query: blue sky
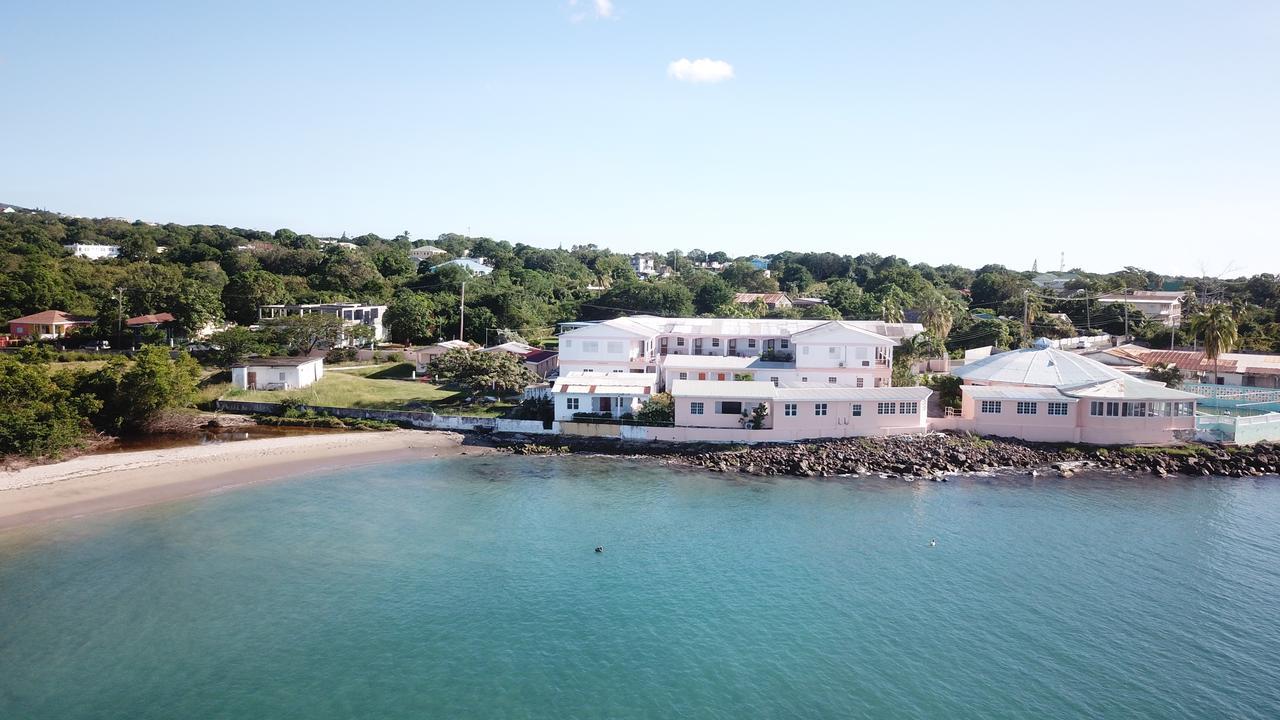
x=1119 y=133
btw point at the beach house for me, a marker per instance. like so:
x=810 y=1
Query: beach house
x=1044 y=394
x=47 y=325
x=815 y=378
x=277 y=373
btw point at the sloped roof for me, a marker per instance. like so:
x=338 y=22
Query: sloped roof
x=156 y=319
x=278 y=361
x=1128 y=388
x=1040 y=366
x=842 y=327
x=53 y=317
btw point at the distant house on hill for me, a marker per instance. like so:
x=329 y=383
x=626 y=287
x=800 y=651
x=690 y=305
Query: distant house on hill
x=47 y=325
x=773 y=301
x=157 y=321
x=1160 y=305
x=476 y=266
x=759 y=263
x=350 y=313
x=93 y=252
x=1053 y=280
x=425 y=252
x=643 y=266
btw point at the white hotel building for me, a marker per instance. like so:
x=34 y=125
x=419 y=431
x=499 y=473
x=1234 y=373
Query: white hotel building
x=816 y=378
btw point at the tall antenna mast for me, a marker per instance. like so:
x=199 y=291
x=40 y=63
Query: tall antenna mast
x=1062 y=262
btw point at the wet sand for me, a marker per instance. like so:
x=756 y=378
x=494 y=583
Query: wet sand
x=116 y=481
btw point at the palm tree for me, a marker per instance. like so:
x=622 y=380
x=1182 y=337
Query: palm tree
x=891 y=305
x=1221 y=334
x=937 y=314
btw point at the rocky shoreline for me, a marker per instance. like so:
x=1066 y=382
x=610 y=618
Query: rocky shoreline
x=934 y=456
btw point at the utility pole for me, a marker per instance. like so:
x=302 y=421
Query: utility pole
x=1026 y=311
x=1126 y=322
x=462 y=310
x=119 y=314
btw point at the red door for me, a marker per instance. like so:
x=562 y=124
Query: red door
x=253 y=380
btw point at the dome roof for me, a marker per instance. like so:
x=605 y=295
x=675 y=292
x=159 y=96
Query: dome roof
x=1040 y=367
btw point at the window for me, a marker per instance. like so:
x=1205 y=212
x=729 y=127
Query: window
x=679 y=342
x=832 y=379
x=730 y=407
x=820 y=409
x=567 y=343
x=1095 y=408
x=859 y=382
x=715 y=342
x=751 y=342
x=1113 y=409
x=1057 y=408
x=991 y=407
x=1140 y=410
x=590 y=346
x=804 y=379
x=695 y=408
x=774 y=380
x=684 y=376
x=281 y=377
x=789 y=410
x=886 y=408
x=1026 y=408
x=909 y=408
x=855 y=409
x=571 y=403
x=614 y=348
x=833 y=351
x=804 y=350
x=785 y=344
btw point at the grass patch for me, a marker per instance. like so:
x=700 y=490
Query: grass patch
x=373 y=388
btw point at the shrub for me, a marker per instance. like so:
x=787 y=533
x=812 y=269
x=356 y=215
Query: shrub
x=340 y=355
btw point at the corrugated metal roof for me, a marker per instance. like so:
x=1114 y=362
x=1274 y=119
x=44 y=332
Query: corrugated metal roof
x=1129 y=388
x=1013 y=392
x=1046 y=367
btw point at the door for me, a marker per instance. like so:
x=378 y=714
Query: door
x=253 y=380
x=606 y=404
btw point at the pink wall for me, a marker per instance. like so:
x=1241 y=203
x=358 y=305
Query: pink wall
x=805 y=424
x=1077 y=426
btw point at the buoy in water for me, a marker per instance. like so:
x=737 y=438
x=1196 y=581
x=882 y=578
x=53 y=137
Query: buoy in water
x=933 y=543
x=600 y=548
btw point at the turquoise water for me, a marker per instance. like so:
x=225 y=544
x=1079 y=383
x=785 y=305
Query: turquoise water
x=468 y=589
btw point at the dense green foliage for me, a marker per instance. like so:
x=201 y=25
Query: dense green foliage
x=44 y=412
x=497 y=372
x=209 y=272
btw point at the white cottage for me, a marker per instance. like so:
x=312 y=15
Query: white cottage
x=277 y=373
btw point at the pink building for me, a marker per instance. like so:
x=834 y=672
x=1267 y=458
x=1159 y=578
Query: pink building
x=1047 y=395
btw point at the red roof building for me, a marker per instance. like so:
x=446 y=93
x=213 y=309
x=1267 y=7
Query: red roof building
x=47 y=325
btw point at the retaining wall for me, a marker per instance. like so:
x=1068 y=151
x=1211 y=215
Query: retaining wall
x=426 y=420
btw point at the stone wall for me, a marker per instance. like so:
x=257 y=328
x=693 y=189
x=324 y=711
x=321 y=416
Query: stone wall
x=425 y=420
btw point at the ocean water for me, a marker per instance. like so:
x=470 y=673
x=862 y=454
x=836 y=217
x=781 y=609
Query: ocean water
x=468 y=588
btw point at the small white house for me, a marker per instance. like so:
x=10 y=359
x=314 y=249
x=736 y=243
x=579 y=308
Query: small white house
x=277 y=373
x=93 y=252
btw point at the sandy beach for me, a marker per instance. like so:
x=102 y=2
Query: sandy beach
x=99 y=483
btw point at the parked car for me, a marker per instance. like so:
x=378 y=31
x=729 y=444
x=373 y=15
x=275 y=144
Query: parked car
x=98 y=345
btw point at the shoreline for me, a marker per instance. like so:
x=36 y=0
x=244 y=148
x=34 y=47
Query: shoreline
x=91 y=484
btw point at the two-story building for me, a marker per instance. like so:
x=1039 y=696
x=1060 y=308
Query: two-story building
x=350 y=313
x=1162 y=306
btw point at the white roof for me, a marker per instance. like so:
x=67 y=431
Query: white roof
x=837 y=392
x=843 y=329
x=728 y=362
x=651 y=326
x=759 y=390
x=1014 y=392
x=750 y=389
x=1042 y=366
x=585 y=383
x=1129 y=388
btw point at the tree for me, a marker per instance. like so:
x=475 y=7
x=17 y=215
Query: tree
x=235 y=344
x=305 y=333
x=758 y=416
x=665 y=298
x=892 y=305
x=38 y=416
x=477 y=370
x=248 y=291
x=1218 y=325
x=1169 y=374
x=937 y=314
x=410 y=317
x=712 y=292
x=659 y=409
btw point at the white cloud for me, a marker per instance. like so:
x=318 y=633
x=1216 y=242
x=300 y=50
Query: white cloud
x=702 y=70
x=600 y=9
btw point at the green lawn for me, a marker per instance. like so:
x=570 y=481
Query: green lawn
x=377 y=388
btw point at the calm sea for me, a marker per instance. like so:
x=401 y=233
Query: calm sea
x=469 y=589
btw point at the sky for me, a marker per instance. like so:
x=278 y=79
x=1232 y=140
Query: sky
x=1115 y=133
